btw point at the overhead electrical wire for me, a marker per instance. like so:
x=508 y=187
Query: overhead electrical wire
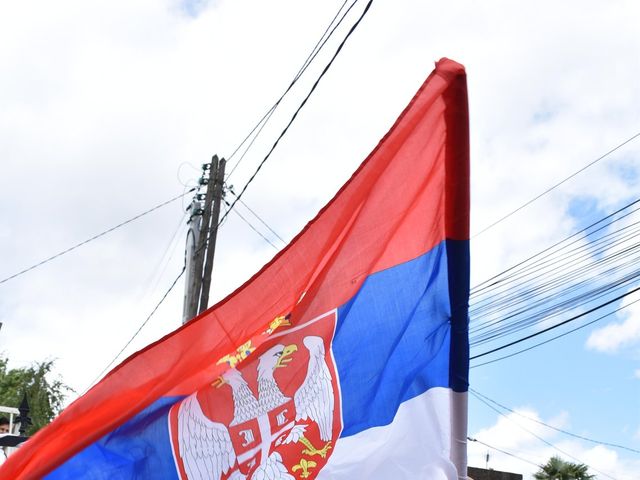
x=543 y=308
x=546 y=442
x=505 y=275
x=560 y=272
x=575 y=317
x=556 y=262
x=168 y=253
x=556 y=337
x=302 y=104
x=558 y=295
x=329 y=31
x=559 y=261
x=252 y=227
x=518 y=294
x=294 y=116
x=316 y=49
x=326 y=35
x=584 y=274
x=517 y=271
x=553 y=187
x=572 y=280
x=140 y=327
x=475 y=440
x=230 y=189
x=517 y=321
x=541 y=270
x=546 y=309
x=581 y=437
x=91 y=239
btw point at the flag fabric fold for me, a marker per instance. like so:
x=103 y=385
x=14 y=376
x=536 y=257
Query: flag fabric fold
x=346 y=356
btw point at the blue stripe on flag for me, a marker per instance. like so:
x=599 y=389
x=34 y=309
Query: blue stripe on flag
x=138 y=449
x=392 y=341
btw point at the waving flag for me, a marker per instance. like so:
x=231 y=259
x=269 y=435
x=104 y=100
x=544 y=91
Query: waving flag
x=345 y=357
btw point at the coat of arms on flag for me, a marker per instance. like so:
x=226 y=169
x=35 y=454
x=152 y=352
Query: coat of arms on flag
x=274 y=414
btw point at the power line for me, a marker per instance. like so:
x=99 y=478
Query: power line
x=534 y=313
x=322 y=41
x=561 y=267
x=598 y=442
x=166 y=257
x=503 y=451
x=295 y=114
x=615 y=247
x=95 y=237
x=559 y=282
x=562 y=257
x=137 y=331
x=557 y=185
x=258 y=217
x=575 y=317
x=554 y=338
x=539 y=437
x=511 y=324
x=267 y=116
x=253 y=228
x=481 y=286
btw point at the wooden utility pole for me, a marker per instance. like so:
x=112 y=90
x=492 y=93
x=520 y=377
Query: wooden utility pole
x=218 y=193
x=191 y=278
x=201 y=240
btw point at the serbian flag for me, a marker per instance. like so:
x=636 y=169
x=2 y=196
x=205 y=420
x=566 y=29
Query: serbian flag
x=345 y=357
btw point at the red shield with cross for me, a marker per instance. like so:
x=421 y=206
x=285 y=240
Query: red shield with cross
x=275 y=413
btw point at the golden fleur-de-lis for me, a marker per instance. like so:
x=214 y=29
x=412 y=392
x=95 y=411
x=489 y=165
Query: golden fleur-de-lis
x=304 y=465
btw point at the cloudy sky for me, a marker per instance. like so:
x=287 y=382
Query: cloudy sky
x=108 y=108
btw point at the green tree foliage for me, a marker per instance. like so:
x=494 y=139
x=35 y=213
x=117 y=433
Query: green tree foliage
x=45 y=396
x=558 y=469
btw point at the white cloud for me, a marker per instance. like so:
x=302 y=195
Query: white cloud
x=618 y=335
x=508 y=434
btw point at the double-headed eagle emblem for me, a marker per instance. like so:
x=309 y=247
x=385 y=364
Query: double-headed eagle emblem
x=251 y=446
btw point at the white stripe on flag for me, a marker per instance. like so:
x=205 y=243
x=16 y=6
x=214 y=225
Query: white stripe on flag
x=416 y=445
